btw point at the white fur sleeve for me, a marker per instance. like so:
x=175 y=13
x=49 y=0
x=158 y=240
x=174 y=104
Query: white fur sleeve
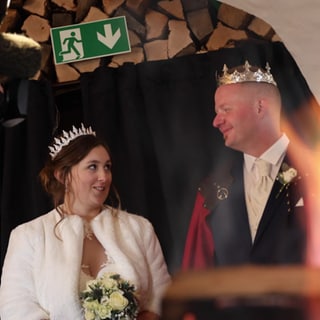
x=17 y=292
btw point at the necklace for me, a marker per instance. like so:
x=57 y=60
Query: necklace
x=88 y=233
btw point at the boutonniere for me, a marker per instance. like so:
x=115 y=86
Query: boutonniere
x=286 y=176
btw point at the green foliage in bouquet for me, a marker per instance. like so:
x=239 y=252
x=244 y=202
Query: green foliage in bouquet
x=109 y=298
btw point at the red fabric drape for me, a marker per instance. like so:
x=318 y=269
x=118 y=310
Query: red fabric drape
x=199 y=248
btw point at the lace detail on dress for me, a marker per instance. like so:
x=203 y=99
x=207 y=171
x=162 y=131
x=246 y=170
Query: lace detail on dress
x=94 y=250
x=85 y=268
x=85 y=275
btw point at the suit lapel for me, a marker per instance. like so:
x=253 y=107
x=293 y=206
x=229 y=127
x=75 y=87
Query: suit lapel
x=274 y=201
x=231 y=216
x=277 y=196
x=228 y=219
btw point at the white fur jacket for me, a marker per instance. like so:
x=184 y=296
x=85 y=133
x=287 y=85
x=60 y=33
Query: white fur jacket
x=40 y=278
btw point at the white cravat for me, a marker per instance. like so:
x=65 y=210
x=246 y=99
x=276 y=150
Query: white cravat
x=259 y=194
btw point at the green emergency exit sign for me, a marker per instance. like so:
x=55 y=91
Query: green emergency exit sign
x=90 y=40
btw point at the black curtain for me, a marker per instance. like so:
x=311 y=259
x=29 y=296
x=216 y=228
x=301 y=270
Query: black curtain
x=157 y=119
x=24 y=149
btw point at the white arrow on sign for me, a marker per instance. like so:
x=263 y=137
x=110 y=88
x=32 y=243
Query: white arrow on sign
x=109 y=39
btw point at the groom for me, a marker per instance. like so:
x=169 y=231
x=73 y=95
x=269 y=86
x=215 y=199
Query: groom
x=244 y=214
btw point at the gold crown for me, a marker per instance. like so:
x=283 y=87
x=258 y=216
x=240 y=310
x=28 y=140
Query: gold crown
x=67 y=137
x=245 y=73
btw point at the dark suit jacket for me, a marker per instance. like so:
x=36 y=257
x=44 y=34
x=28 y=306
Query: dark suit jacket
x=219 y=232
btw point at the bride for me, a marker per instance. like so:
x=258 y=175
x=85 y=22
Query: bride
x=50 y=259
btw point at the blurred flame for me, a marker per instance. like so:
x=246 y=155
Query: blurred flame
x=306 y=158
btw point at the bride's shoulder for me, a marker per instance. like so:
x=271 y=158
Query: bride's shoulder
x=43 y=221
x=133 y=219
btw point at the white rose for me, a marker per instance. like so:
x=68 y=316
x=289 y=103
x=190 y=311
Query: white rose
x=289 y=175
x=89 y=315
x=91 y=305
x=104 y=311
x=108 y=283
x=118 y=301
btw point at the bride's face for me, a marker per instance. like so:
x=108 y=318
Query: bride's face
x=90 y=182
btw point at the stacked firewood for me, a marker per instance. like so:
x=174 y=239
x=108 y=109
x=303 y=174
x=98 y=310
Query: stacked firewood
x=157 y=29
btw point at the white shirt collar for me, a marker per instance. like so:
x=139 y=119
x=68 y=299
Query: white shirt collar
x=274 y=154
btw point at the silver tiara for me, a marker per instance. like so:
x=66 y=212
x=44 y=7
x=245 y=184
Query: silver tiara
x=67 y=137
x=245 y=73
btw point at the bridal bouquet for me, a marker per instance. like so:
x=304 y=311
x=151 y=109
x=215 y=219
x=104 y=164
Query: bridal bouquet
x=109 y=298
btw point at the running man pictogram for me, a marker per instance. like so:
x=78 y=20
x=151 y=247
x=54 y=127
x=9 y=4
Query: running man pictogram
x=71 y=43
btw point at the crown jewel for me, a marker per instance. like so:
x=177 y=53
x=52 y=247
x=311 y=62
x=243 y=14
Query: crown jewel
x=245 y=73
x=67 y=137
